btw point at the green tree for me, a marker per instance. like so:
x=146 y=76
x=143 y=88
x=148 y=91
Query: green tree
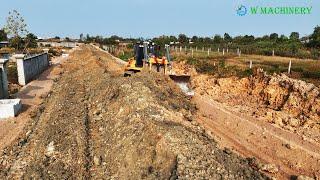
x=217 y=39
x=200 y=40
x=248 y=39
x=16 y=42
x=207 y=40
x=283 y=37
x=81 y=37
x=162 y=40
x=183 y=39
x=31 y=41
x=16 y=28
x=3 y=35
x=315 y=38
x=16 y=25
x=294 y=48
x=194 y=39
x=173 y=39
x=238 y=39
x=294 y=36
x=274 y=36
x=265 y=38
x=88 y=38
x=227 y=37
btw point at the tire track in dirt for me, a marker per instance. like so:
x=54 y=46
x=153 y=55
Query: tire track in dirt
x=88 y=163
x=87 y=150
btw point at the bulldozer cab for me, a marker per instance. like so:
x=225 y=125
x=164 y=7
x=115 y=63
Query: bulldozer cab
x=154 y=50
x=139 y=55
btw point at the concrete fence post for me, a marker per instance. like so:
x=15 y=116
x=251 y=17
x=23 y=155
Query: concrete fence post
x=180 y=49
x=223 y=51
x=250 y=66
x=289 y=68
x=4 y=93
x=227 y=50
x=218 y=50
x=273 y=52
x=20 y=68
x=208 y=52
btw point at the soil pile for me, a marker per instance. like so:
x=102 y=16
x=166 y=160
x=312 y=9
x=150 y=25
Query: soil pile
x=98 y=124
x=282 y=100
x=182 y=68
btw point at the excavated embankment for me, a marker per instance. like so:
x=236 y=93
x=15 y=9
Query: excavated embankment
x=284 y=101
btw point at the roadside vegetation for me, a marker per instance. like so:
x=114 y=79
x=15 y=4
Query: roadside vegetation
x=294 y=45
x=271 y=52
x=232 y=65
x=16 y=33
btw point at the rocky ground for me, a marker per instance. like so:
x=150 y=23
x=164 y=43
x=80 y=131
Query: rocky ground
x=97 y=124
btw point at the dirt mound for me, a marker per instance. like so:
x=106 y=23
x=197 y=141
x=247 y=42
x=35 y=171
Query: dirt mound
x=147 y=126
x=98 y=124
x=182 y=68
x=284 y=101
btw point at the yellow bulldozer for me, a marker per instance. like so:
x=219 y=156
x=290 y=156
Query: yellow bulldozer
x=148 y=55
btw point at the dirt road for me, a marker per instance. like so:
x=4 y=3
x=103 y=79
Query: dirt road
x=97 y=124
x=291 y=154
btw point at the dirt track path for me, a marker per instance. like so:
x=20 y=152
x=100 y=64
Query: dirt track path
x=250 y=137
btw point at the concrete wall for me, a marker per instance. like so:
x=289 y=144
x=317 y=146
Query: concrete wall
x=3 y=79
x=58 y=44
x=30 y=68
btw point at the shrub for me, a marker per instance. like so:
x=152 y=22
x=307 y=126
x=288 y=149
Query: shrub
x=312 y=75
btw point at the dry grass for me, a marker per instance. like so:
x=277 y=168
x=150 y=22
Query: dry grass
x=305 y=69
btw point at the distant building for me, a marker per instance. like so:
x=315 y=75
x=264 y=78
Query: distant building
x=305 y=39
x=57 y=44
x=4 y=44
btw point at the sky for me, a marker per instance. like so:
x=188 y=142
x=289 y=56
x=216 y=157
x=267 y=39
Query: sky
x=150 y=18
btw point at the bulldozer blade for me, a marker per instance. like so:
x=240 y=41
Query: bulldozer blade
x=128 y=73
x=183 y=81
x=180 y=78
